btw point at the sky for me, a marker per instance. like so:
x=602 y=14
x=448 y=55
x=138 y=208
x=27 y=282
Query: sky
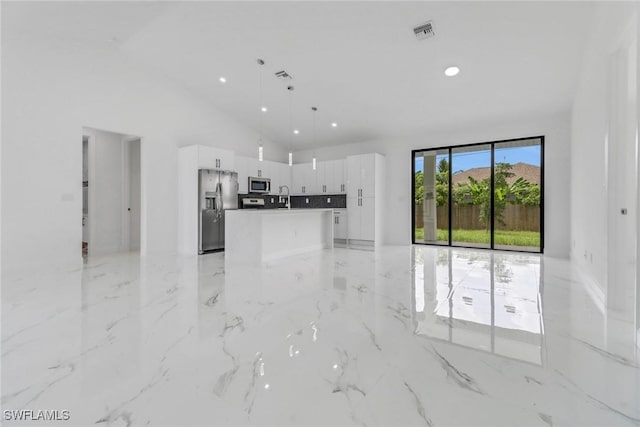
x=470 y=160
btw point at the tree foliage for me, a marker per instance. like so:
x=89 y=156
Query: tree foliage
x=478 y=192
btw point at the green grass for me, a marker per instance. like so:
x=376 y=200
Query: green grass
x=502 y=237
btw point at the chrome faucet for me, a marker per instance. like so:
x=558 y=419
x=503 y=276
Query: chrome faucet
x=288 y=195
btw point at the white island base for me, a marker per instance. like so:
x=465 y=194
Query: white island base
x=254 y=236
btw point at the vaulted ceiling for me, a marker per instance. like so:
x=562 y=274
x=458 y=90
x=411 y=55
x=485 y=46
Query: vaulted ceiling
x=358 y=62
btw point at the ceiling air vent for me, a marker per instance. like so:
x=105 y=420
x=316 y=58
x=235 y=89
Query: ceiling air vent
x=424 y=31
x=284 y=76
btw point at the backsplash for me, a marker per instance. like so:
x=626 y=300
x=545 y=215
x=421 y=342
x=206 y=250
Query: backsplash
x=270 y=202
x=334 y=201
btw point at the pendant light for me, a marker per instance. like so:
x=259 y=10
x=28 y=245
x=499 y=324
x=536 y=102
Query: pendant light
x=263 y=109
x=290 y=89
x=313 y=161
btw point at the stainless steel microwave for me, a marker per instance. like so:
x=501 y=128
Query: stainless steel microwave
x=259 y=185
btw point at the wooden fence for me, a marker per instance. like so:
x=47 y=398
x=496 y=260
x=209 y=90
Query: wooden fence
x=516 y=217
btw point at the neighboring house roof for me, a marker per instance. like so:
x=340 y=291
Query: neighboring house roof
x=529 y=172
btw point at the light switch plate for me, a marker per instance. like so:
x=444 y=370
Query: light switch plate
x=328 y=199
x=307 y=200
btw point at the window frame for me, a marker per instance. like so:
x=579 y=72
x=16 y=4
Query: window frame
x=450 y=148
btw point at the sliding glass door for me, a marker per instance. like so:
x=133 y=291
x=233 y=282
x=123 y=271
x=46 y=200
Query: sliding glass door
x=471 y=196
x=487 y=195
x=517 y=197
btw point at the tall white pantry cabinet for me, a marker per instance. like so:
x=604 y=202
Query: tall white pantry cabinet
x=365 y=198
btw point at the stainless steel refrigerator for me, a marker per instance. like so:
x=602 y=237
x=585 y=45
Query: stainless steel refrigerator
x=218 y=191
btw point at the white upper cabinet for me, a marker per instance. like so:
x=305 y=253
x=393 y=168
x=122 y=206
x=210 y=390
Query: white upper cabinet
x=311 y=179
x=368 y=175
x=325 y=178
x=328 y=178
x=298 y=178
x=280 y=174
x=215 y=158
x=258 y=169
x=338 y=182
x=361 y=170
x=304 y=180
x=243 y=173
x=353 y=176
x=284 y=177
x=251 y=167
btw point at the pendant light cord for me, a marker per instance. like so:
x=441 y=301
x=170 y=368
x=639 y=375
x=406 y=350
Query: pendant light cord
x=290 y=118
x=315 y=110
x=261 y=62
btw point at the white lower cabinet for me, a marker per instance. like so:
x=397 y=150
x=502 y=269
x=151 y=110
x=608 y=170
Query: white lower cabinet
x=339 y=224
x=353 y=218
x=367 y=218
x=361 y=214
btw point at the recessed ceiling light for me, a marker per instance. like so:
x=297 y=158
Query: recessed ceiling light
x=334 y=124
x=264 y=109
x=451 y=71
x=296 y=131
x=222 y=80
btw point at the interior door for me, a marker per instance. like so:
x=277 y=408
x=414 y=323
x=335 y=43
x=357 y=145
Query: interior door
x=134 y=195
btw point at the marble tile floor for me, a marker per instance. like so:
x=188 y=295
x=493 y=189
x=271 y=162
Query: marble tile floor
x=400 y=336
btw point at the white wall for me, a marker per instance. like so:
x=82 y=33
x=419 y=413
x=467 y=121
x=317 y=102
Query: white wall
x=50 y=90
x=604 y=157
x=397 y=152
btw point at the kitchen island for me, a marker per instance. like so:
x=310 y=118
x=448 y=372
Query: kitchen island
x=254 y=236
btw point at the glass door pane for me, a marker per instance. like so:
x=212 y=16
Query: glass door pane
x=517 y=195
x=431 y=202
x=471 y=196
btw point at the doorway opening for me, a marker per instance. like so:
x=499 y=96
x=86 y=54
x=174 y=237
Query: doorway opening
x=111 y=192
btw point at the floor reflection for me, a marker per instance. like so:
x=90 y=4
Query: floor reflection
x=482 y=300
